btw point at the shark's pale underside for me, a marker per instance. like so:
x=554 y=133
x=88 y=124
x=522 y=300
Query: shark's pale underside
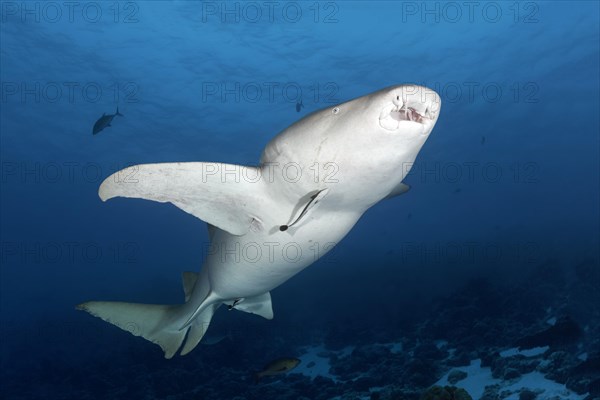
x=267 y=223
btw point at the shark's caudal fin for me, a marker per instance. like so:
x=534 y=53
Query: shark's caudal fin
x=159 y=324
x=149 y=321
x=230 y=197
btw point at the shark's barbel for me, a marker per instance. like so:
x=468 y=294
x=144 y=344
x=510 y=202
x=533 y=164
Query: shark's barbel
x=314 y=181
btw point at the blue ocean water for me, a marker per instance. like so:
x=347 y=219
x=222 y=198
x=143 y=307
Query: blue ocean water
x=498 y=235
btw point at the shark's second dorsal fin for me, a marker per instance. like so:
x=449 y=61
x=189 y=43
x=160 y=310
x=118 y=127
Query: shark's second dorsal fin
x=211 y=231
x=230 y=197
x=189 y=281
x=400 y=189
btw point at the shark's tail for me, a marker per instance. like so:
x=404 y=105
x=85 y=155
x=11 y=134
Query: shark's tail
x=118 y=113
x=160 y=324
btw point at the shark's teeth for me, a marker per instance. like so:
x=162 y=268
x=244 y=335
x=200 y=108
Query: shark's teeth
x=412 y=115
x=398 y=111
x=389 y=123
x=386 y=120
x=387 y=110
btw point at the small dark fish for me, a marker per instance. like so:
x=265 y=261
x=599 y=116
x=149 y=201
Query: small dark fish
x=299 y=106
x=276 y=367
x=409 y=216
x=211 y=340
x=457 y=190
x=104 y=121
x=483 y=140
x=310 y=364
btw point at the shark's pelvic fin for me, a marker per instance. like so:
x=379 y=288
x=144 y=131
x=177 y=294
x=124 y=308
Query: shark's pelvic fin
x=259 y=305
x=230 y=197
x=198 y=329
x=199 y=323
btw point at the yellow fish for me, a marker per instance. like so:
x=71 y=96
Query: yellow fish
x=276 y=367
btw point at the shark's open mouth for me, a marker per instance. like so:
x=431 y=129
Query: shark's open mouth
x=407 y=114
x=410 y=106
x=394 y=114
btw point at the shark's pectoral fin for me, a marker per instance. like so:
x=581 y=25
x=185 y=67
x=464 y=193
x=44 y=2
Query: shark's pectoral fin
x=398 y=190
x=259 y=305
x=230 y=197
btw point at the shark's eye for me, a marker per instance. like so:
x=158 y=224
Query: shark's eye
x=335 y=110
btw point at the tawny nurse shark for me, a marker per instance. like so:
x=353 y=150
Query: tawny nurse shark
x=267 y=223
